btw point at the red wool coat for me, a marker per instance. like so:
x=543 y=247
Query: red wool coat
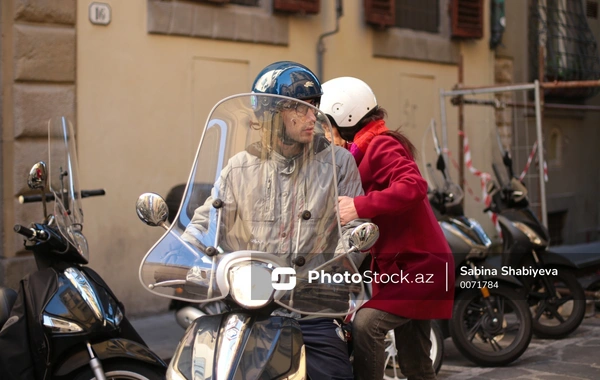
x=411 y=242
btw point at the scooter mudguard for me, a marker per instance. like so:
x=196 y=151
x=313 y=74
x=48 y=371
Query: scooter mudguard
x=109 y=349
x=239 y=345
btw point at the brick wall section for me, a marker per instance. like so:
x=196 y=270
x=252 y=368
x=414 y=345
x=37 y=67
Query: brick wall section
x=40 y=84
x=504 y=76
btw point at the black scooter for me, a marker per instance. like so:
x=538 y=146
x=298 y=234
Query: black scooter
x=65 y=322
x=556 y=298
x=491 y=322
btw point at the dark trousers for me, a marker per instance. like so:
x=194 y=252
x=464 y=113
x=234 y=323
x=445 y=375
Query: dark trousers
x=326 y=352
x=412 y=342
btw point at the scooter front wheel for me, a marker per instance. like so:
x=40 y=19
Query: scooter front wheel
x=124 y=370
x=556 y=315
x=493 y=330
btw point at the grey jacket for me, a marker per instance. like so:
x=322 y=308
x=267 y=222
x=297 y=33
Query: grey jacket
x=264 y=199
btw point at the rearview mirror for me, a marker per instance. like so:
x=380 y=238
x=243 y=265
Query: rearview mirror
x=507 y=161
x=441 y=164
x=364 y=236
x=153 y=210
x=38 y=176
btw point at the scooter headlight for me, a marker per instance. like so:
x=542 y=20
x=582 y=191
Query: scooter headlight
x=533 y=237
x=250 y=284
x=118 y=316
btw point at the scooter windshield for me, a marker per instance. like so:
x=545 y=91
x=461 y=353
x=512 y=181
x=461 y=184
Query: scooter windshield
x=501 y=161
x=262 y=190
x=63 y=180
x=437 y=173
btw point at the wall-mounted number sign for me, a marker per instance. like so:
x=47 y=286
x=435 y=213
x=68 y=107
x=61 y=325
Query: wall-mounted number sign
x=99 y=13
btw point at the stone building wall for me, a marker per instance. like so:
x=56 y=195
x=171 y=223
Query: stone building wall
x=37 y=75
x=503 y=75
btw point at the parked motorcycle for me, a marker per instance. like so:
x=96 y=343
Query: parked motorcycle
x=491 y=322
x=65 y=321
x=556 y=298
x=264 y=287
x=187 y=312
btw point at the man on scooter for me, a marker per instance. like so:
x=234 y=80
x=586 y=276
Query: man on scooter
x=286 y=134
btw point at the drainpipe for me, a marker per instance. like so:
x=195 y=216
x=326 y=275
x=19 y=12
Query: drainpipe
x=339 y=11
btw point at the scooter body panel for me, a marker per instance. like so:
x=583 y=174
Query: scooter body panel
x=93 y=309
x=7 y=300
x=516 y=243
x=106 y=350
x=466 y=238
x=519 y=247
x=239 y=345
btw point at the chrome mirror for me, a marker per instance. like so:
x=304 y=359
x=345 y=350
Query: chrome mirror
x=153 y=210
x=364 y=236
x=38 y=180
x=38 y=177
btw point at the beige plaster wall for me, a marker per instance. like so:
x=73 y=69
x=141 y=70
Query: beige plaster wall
x=142 y=99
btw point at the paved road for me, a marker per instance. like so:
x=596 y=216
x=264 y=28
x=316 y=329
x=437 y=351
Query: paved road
x=573 y=358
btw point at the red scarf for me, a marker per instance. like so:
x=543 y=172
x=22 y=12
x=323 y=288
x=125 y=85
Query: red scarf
x=364 y=136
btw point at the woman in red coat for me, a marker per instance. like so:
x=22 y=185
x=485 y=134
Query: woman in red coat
x=412 y=266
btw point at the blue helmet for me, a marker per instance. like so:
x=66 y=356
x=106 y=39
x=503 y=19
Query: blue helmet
x=284 y=78
x=288 y=79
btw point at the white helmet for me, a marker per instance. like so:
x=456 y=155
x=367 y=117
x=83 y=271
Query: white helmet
x=347 y=100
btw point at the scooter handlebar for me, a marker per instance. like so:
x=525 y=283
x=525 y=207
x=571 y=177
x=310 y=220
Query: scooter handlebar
x=27 y=232
x=50 y=196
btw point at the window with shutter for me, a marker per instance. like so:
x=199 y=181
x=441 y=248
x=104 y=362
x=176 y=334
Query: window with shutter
x=422 y=23
x=421 y=15
x=297 y=6
x=211 y=1
x=467 y=18
x=380 y=12
x=253 y=3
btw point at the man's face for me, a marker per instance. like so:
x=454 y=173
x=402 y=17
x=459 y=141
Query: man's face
x=299 y=121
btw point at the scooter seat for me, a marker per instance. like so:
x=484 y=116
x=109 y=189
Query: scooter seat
x=581 y=255
x=7 y=300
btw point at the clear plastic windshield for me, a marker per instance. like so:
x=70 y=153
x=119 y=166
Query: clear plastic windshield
x=437 y=171
x=63 y=180
x=499 y=152
x=264 y=180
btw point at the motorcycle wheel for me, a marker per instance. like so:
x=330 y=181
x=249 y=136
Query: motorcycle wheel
x=556 y=316
x=392 y=368
x=124 y=370
x=483 y=340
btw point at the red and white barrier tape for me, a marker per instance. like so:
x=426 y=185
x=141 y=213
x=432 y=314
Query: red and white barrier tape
x=483 y=179
x=465 y=184
x=529 y=159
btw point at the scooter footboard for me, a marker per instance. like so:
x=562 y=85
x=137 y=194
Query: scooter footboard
x=226 y=346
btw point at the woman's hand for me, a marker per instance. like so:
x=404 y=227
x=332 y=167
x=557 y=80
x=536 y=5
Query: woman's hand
x=347 y=210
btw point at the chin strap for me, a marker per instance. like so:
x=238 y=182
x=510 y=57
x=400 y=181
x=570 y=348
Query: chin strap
x=348 y=133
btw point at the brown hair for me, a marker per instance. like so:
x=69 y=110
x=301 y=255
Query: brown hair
x=380 y=113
